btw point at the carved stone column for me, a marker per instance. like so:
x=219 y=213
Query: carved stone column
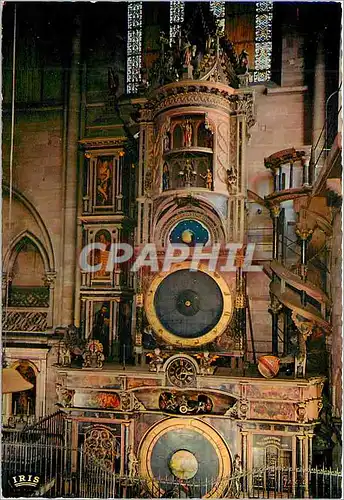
x=240 y=304
x=318 y=138
x=306 y=466
x=274 y=213
x=304 y=235
x=274 y=309
x=244 y=460
x=310 y=435
x=49 y=281
x=6 y=282
x=301 y=478
x=70 y=180
x=307 y=177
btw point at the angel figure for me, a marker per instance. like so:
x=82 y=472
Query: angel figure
x=157 y=361
x=205 y=361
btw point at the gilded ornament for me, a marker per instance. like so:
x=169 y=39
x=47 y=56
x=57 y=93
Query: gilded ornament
x=304 y=233
x=275 y=210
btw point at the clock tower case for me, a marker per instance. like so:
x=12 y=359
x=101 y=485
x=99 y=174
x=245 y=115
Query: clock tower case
x=195 y=113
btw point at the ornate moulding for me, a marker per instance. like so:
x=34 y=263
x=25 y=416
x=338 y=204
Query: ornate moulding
x=210 y=94
x=102 y=142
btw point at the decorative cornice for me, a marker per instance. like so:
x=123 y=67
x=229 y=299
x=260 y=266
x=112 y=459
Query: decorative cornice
x=286 y=90
x=100 y=142
x=288 y=194
x=280 y=157
x=199 y=93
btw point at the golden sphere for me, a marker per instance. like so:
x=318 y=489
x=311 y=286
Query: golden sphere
x=187 y=236
x=183 y=464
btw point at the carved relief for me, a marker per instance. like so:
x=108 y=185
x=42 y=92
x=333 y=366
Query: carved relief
x=93 y=355
x=245 y=105
x=301 y=412
x=222 y=151
x=232 y=411
x=205 y=360
x=243 y=408
x=155 y=159
x=196 y=98
x=273 y=411
x=129 y=402
x=180 y=403
x=157 y=360
x=64 y=396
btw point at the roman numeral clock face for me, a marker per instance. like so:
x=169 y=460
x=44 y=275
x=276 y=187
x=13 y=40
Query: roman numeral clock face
x=188 y=308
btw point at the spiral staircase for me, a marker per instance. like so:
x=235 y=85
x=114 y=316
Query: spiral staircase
x=300 y=280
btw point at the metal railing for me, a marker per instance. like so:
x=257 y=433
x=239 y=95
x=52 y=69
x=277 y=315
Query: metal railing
x=88 y=478
x=292 y=254
x=328 y=133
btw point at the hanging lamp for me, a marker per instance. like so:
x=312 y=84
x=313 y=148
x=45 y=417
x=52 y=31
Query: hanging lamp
x=12 y=380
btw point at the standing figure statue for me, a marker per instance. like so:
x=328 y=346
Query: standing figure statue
x=187 y=52
x=101 y=328
x=243 y=62
x=163 y=41
x=167 y=141
x=188 y=174
x=236 y=477
x=133 y=463
x=165 y=177
x=208 y=178
x=209 y=44
x=187 y=134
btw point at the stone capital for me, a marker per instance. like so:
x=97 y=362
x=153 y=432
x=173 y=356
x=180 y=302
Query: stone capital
x=304 y=233
x=275 y=305
x=275 y=210
x=49 y=279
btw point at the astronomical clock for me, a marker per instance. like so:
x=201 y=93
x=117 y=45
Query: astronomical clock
x=187 y=415
x=189 y=321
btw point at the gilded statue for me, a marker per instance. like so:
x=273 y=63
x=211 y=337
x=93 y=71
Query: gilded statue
x=208 y=178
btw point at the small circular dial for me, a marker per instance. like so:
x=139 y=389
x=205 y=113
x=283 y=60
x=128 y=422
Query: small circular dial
x=181 y=372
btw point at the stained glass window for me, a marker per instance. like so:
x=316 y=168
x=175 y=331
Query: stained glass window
x=219 y=11
x=134 y=46
x=263 y=42
x=176 y=17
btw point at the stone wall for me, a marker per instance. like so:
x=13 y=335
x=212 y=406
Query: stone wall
x=337 y=328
